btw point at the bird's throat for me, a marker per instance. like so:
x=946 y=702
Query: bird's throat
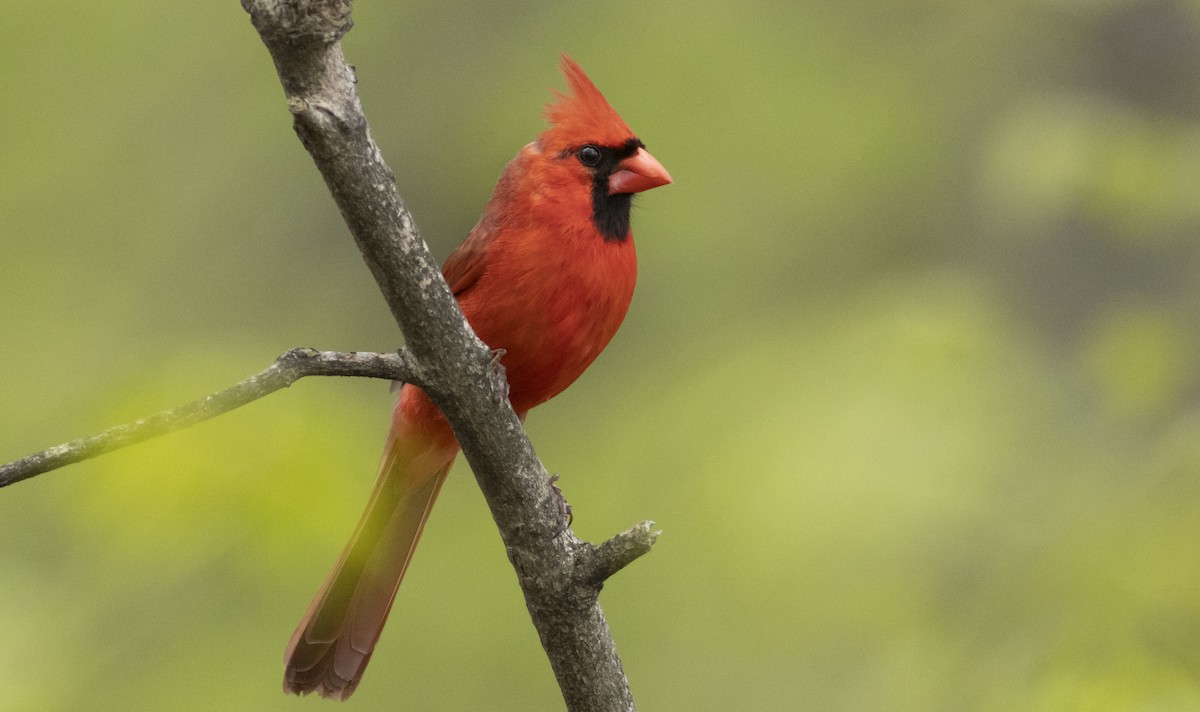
x=610 y=213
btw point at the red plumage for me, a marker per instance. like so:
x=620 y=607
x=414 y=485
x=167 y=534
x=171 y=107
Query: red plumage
x=546 y=277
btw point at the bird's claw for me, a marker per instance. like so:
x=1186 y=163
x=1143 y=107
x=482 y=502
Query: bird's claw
x=564 y=507
x=498 y=368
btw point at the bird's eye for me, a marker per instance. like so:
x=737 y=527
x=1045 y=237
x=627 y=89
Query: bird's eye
x=589 y=155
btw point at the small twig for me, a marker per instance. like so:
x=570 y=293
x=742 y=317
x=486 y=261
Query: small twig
x=287 y=369
x=618 y=552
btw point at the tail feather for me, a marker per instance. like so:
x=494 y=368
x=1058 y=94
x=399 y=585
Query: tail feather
x=333 y=642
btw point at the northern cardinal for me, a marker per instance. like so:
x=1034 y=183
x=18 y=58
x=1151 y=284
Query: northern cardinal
x=546 y=275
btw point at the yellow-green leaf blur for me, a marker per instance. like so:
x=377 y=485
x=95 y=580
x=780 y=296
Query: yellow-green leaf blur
x=911 y=381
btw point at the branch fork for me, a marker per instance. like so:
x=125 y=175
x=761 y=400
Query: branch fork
x=288 y=368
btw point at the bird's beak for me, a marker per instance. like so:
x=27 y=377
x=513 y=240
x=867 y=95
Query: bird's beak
x=639 y=172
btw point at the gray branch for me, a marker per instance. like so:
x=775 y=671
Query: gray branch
x=287 y=369
x=559 y=574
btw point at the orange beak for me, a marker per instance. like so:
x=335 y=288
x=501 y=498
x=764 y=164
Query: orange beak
x=639 y=172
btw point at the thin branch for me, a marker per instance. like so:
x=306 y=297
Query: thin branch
x=287 y=369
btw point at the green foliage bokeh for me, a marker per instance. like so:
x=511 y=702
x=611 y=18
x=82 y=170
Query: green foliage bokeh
x=910 y=381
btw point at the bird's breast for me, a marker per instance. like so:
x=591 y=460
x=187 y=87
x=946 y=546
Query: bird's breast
x=552 y=302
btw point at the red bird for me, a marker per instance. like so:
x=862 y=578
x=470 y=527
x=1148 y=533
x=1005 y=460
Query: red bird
x=546 y=275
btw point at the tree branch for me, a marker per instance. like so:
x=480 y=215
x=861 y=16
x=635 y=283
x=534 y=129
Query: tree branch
x=559 y=575
x=303 y=39
x=290 y=367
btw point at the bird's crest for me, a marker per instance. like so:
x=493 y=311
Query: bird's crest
x=583 y=115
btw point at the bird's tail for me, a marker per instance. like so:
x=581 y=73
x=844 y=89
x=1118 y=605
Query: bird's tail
x=333 y=643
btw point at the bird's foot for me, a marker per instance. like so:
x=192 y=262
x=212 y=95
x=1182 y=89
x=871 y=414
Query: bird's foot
x=498 y=368
x=564 y=507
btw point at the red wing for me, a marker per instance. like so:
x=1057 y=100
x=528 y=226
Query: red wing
x=467 y=263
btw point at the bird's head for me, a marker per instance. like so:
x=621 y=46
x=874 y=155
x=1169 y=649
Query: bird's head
x=589 y=143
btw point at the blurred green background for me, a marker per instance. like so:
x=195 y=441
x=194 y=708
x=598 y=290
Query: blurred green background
x=910 y=381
